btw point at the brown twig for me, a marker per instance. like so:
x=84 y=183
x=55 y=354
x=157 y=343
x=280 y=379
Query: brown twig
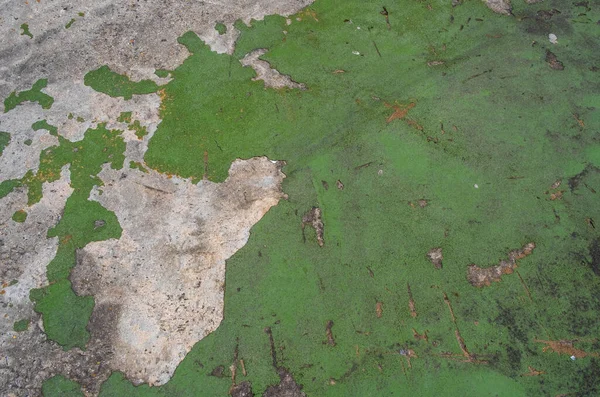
x=411 y=302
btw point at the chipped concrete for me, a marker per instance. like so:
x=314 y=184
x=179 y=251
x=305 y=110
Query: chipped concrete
x=503 y=7
x=76 y=108
x=24 y=248
x=25 y=252
x=159 y=288
x=271 y=77
x=23 y=152
x=89 y=108
x=133 y=38
x=313 y=219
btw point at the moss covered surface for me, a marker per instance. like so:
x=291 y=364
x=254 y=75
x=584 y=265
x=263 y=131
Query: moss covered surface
x=21 y=325
x=35 y=94
x=4 y=141
x=447 y=127
x=116 y=85
x=66 y=315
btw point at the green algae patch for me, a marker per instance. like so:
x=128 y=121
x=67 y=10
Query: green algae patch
x=65 y=314
x=162 y=73
x=70 y=23
x=138 y=166
x=44 y=125
x=86 y=157
x=28 y=142
x=21 y=325
x=4 y=141
x=124 y=117
x=140 y=130
x=25 y=30
x=35 y=94
x=19 y=216
x=59 y=386
x=447 y=129
x=8 y=186
x=116 y=85
x=221 y=28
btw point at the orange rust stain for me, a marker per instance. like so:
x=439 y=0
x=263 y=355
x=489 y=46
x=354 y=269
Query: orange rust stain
x=379 y=309
x=533 y=372
x=565 y=347
x=310 y=13
x=399 y=111
x=420 y=336
x=411 y=302
x=414 y=124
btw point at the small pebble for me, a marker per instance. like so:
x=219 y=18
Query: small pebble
x=553 y=39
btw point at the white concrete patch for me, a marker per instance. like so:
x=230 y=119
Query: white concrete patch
x=264 y=71
x=165 y=275
x=133 y=38
x=18 y=157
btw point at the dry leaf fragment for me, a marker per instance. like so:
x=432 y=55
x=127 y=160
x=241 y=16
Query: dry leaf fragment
x=411 y=302
x=579 y=121
x=553 y=61
x=399 y=111
x=435 y=63
x=420 y=336
x=481 y=277
x=565 y=347
x=330 y=339
x=435 y=256
x=313 y=218
x=557 y=196
x=533 y=372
